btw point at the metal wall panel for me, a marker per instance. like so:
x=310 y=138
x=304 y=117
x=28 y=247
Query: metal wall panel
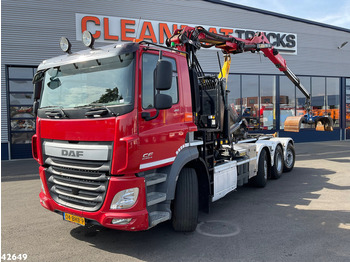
x=31 y=30
x=4 y=124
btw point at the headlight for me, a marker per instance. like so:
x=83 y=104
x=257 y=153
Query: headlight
x=125 y=198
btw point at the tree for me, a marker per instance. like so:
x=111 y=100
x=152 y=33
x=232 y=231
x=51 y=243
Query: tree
x=109 y=96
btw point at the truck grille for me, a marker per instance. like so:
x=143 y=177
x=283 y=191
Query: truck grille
x=77 y=184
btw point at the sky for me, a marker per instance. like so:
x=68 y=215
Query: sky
x=332 y=12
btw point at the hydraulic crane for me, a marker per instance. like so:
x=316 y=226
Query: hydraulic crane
x=191 y=39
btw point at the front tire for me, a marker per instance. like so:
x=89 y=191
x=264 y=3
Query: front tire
x=185 y=211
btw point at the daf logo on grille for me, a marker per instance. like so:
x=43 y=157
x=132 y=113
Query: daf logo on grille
x=72 y=153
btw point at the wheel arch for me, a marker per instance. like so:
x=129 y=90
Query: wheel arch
x=204 y=189
x=270 y=146
x=184 y=157
x=269 y=158
x=284 y=141
x=264 y=146
x=189 y=157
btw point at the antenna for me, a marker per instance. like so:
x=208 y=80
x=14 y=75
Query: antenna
x=342 y=45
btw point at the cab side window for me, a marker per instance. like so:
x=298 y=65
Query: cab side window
x=149 y=62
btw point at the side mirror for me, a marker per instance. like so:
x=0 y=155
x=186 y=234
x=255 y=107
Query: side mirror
x=162 y=78
x=163 y=101
x=163 y=75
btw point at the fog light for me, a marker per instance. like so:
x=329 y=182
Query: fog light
x=43 y=203
x=65 y=45
x=88 y=39
x=121 y=221
x=125 y=198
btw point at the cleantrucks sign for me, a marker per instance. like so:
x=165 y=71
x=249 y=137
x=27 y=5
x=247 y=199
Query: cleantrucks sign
x=121 y=29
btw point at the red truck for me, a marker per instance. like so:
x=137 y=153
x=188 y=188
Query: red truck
x=131 y=135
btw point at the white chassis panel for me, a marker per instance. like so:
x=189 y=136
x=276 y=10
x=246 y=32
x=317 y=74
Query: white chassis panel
x=225 y=179
x=225 y=176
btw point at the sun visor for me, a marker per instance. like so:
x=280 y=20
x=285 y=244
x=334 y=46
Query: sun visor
x=89 y=54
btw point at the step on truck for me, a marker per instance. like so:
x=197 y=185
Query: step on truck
x=132 y=135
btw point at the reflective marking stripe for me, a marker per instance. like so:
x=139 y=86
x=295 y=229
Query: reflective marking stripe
x=194 y=143
x=171 y=159
x=157 y=163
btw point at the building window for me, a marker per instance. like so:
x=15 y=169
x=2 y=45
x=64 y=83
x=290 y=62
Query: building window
x=325 y=98
x=254 y=97
x=318 y=100
x=300 y=98
x=267 y=102
x=22 y=119
x=333 y=99
x=287 y=99
x=234 y=96
x=347 y=107
x=250 y=105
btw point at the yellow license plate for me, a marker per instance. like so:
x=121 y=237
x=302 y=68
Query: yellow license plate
x=74 y=219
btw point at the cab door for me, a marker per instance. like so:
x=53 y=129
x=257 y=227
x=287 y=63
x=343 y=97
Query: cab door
x=163 y=136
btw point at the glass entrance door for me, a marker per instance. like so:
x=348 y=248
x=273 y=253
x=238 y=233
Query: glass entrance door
x=21 y=117
x=347 y=107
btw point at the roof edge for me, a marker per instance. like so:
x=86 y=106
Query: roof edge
x=253 y=9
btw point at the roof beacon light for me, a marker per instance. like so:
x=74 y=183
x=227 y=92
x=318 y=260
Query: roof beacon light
x=88 y=39
x=65 y=45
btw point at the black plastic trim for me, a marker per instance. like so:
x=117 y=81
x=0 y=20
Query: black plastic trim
x=80 y=113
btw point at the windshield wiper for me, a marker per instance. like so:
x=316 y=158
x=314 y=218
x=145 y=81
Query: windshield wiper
x=96 y=109
x=57 y=112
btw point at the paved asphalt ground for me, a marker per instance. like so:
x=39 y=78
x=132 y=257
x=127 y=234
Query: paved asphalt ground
x=303 y=216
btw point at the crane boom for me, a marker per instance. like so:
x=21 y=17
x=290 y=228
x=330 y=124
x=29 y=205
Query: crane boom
x=191 y=39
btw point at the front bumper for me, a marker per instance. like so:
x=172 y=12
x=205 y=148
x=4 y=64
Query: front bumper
x=138 y=213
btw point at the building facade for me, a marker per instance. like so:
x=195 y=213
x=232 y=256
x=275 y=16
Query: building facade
x=31 y=31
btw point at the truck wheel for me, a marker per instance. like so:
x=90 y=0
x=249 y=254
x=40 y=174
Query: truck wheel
x=290 y=158
x=185 y=211
x=277 y=168
x=263 y=170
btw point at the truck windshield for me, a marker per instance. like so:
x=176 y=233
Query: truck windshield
x=106 y=82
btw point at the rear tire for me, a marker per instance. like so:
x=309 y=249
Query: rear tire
x=290 y=158
x=278 y=162
x=185 y=211
x=260 y=179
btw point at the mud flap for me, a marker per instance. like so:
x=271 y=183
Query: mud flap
x=293 y=123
